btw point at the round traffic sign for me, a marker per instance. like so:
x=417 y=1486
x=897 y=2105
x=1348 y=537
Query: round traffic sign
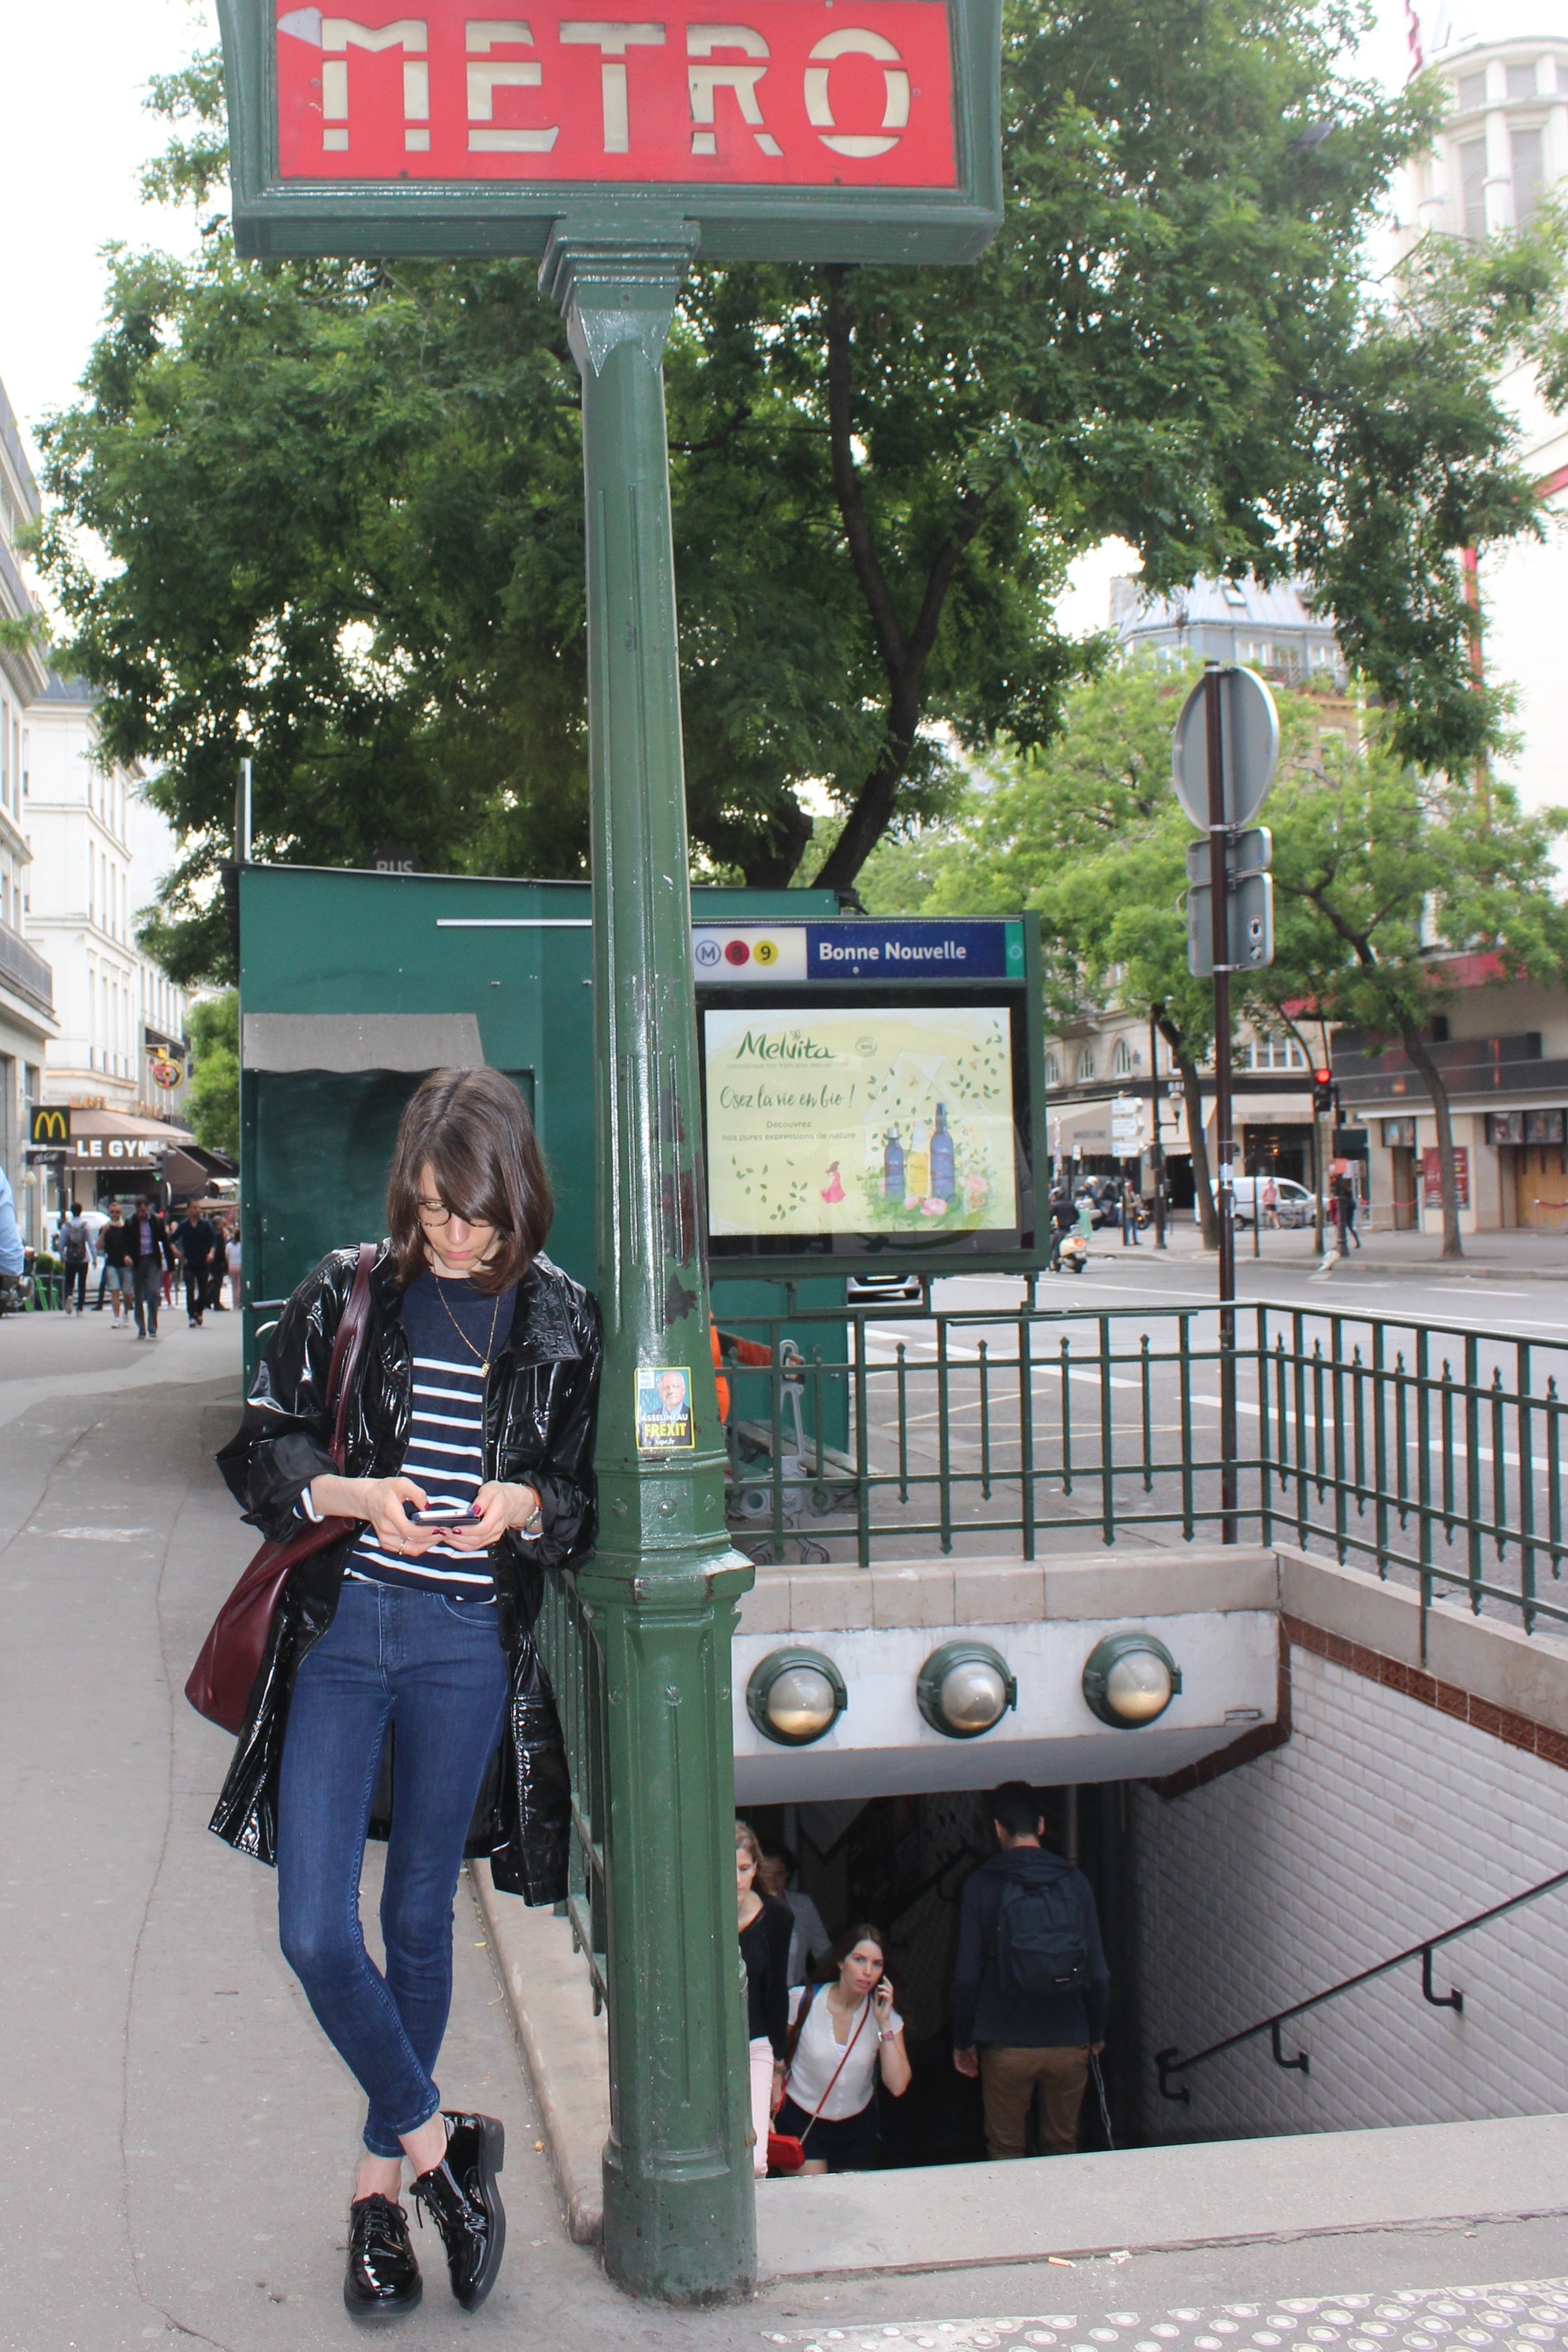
x=1249 y=745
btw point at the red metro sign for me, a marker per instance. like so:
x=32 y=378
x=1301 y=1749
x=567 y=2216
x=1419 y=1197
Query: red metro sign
x=797 y=93
x=866 y=129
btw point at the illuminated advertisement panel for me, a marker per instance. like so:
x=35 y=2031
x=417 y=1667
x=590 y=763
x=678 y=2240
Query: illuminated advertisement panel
x=837 y=1128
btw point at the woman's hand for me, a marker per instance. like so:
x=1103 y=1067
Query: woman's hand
x=778 y=2090
x=499 y=1508
x=380 y=1503
x=882 y=2003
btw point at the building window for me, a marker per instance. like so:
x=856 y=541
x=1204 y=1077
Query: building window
x=1521 y=81
x=1053 y=1071
x=1276 y=1054
x=1086 y=1066
x=1124 y=1061
x=1528 y=172
x=1472 y=91
x=1473 y=188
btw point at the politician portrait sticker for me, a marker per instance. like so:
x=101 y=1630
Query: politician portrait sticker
x=664 y=1408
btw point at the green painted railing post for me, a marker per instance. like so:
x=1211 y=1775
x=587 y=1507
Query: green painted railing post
x=662 y=1586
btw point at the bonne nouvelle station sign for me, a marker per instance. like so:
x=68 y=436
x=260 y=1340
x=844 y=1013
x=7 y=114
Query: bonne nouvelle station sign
x=848 y=129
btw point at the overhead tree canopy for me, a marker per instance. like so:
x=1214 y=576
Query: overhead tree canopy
x=343 y=507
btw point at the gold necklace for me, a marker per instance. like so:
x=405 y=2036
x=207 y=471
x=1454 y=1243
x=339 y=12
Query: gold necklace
x=490 y=1343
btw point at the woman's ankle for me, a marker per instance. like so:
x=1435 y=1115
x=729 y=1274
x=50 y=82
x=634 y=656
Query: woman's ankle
x=379 y=2176
x=426 y=2147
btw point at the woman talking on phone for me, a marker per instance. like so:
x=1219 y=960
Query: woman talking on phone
x=843 y=2036
x=466 y=1476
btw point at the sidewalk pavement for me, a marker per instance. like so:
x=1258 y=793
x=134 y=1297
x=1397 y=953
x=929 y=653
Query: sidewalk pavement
x=178 y=2137
x=1525 y=1255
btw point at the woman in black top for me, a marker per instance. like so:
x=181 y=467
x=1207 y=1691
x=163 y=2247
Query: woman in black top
x=766 y=1925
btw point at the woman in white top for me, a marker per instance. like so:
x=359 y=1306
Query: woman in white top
x=843 y=2034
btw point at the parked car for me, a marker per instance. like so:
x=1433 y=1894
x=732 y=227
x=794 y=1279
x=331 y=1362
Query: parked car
x=884 y=1290
x=1295 y=1201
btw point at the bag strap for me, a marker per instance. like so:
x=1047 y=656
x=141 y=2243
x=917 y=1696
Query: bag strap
x=352 y=1324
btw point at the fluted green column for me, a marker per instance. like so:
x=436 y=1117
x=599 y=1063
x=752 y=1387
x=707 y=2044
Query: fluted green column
x=664 y=1582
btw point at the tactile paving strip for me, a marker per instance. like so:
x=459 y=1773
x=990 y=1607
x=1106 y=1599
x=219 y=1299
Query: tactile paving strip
x=1523 y=2317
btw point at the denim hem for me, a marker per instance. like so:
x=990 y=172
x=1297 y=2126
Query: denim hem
x=396 y=2147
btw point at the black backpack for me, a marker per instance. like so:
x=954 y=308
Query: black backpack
x=1040 y=1942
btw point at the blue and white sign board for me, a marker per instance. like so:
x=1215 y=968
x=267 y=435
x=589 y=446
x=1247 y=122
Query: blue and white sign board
x=738 y=954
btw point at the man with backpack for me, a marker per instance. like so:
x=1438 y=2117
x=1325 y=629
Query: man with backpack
x=1030 y=1989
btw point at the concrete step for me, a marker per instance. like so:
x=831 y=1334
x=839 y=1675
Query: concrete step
x=1153 y=2200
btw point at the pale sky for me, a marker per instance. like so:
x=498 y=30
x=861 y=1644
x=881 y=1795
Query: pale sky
x=65 y=195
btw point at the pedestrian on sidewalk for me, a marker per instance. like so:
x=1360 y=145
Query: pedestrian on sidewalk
x=196 y=1241
x=76 y=1250
x=1345 y=1207
x=809 y=1939
x=114 y=1245
x=229 y=1237
x=1030 y=1989
x=151 y=1257
x=1271 y=1198
x=1132 y=1210
x=13 y=1257
x=767 y=1924
x=476 y=1393
x=843 y=2036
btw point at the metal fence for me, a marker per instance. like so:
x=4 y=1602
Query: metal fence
x=1430 y=1452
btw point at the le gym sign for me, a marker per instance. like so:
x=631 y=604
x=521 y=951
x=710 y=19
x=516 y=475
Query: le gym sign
x=850 y=130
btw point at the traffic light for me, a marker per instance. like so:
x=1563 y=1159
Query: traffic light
x=1322 y=1093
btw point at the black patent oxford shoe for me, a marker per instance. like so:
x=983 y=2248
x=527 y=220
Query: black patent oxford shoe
x=382 y=2278
x=461 y=2198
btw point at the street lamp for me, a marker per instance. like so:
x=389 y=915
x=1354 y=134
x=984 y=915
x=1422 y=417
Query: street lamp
x=1130 y=1679
x=795 y=1696
x=964 y=1689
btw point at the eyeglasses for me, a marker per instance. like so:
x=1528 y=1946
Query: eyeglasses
x=436 y=1213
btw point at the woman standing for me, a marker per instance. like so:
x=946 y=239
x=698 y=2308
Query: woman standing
x=475 y=1396
x=844 y=2036
x=115 y=1244
x=766 y=1927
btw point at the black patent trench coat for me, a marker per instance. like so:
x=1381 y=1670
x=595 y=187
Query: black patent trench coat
x=540 y=1403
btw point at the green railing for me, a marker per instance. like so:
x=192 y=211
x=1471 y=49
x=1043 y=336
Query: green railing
x=1431 y=1452
x=572 y=1660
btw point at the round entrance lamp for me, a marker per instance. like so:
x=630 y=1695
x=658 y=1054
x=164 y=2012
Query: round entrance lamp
x=965 y=1689
x=1129 y=1680
x=794 y=1696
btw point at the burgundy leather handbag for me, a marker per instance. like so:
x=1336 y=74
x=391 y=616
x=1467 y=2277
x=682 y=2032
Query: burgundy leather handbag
x=224 y=1676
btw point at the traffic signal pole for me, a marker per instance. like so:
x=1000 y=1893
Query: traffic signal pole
x=1225 y=1149
x=661 y=1589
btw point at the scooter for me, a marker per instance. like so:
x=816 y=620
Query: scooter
x=1072 y=1253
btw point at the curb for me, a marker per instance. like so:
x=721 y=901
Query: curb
x=565 y=2048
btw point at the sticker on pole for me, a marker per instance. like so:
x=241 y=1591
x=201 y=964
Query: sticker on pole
x=664 y=1416
x=1249 y=745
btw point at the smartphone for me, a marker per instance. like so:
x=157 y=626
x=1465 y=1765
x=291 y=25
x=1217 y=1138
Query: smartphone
x=444 y=1515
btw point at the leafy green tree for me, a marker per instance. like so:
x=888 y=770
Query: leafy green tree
x=212 y=1104
x=1373 y=868
x=342 y=510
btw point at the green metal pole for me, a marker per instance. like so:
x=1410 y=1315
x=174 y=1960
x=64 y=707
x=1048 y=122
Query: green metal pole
x=662 y=1586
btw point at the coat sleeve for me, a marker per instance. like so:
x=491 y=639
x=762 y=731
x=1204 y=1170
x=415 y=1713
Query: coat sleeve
x=1096 y=1995
x=563 y=1475
x=781 y=1931
x=283 y=1438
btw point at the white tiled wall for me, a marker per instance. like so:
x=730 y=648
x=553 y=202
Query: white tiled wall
x=1378 y=1822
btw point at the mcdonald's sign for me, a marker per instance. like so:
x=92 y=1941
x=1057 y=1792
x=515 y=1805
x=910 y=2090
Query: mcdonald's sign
x=50 y=1125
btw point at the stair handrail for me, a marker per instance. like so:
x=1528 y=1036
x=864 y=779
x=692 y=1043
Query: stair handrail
x=1171 y=2062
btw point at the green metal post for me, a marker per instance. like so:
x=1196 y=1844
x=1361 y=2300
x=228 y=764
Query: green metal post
x=662 y=1586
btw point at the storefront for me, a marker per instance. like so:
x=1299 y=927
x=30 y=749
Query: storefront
x=96 y=1156
x=1532 y=1168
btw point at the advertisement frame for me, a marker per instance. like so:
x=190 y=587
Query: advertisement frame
x=735 y=1258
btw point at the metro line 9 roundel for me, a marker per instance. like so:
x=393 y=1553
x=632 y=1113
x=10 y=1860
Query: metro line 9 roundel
x=363 y=130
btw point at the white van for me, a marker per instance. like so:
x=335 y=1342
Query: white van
x=1296 y=1203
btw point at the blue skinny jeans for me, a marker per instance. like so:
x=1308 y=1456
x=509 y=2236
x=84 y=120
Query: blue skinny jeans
x=435 y=1669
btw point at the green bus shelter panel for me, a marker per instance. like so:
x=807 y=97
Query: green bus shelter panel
x=324 y=1142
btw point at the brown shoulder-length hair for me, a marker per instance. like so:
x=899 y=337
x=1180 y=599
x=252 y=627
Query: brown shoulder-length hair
x=472 y=1130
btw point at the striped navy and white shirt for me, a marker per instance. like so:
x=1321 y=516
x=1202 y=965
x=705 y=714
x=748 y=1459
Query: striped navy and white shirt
x=444 y=1452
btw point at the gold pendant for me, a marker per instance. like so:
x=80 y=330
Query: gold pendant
x=485 y=1369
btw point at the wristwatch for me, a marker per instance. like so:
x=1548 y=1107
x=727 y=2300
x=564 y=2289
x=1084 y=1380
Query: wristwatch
x=534 y=1523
